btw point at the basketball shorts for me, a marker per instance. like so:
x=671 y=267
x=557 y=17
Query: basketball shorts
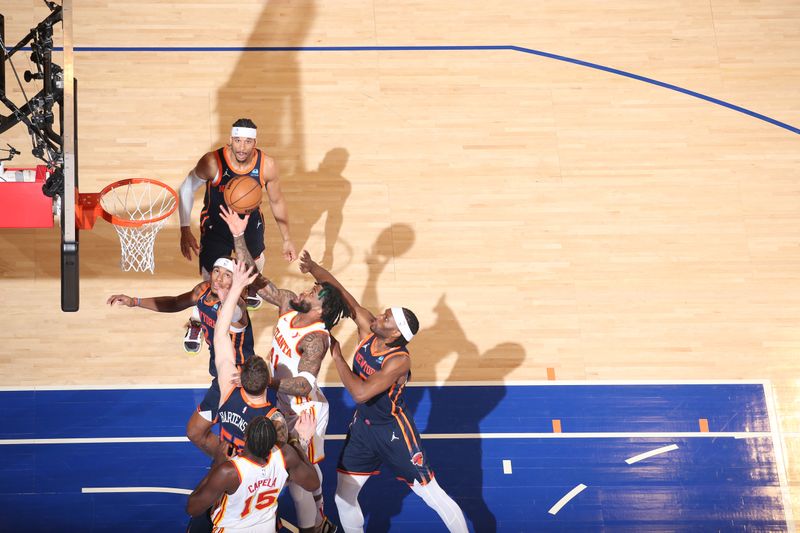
x=316 y=448
x=369 y=446
x=213 y=246
x=210 y=405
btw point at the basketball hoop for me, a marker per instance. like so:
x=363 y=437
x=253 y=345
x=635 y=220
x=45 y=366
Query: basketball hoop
x=138 y=208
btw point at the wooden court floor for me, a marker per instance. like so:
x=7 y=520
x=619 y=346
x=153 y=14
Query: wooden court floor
x=536 y=213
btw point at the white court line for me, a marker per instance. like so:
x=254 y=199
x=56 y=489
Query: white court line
x=777 y=446
x=651 y=453
x=96 y=440
x=430 y=436
x=567 y=497
x=514 y=383
x=170 y=490
x=594 y=435
x=507 y=466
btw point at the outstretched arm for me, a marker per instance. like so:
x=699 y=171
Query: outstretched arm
x=161 y=304
x=361 y=316
x=312 y=350
x=223 y=345
x=363 y=390
x=266 y=289
x=221 y=479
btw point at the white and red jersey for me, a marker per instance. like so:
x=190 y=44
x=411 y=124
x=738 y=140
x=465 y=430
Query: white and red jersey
x=251 y=509
x=285 y=359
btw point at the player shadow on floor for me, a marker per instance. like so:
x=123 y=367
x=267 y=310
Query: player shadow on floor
x=383 y=496
x=266 y=86
x=318 y=193
x=462 y=476
x=35 y=253
x=391 y=243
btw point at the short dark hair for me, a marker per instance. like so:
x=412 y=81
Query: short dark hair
x=334 y=306
x=244 y=123
x=413 y=325
x=260 y=436
x=255 y=375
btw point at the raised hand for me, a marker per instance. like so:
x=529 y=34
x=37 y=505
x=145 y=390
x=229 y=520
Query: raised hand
x=243 y=275
x=236 y=224
x=306 y=263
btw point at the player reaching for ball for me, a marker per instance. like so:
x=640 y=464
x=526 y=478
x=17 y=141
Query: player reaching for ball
x=216 y=170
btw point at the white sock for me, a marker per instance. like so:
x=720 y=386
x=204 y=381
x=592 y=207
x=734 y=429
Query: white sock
x=350 y=515
x=304 y=506
x=438 y=500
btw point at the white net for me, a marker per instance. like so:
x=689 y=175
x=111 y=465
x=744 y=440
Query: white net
x=138 y=202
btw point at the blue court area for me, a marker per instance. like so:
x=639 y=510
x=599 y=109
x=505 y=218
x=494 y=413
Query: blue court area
x=492 y=448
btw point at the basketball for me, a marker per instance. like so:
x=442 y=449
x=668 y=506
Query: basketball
x=243 y=194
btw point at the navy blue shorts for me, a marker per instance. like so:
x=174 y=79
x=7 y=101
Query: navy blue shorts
x=211 y=400
x=212 y=247
x=369 y=446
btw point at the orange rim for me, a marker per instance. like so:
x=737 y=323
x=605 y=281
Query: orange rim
x=113 y=219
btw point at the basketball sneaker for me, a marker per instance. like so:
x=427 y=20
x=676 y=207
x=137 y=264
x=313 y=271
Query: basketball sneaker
x=327 y=526
x=253 y=301
x=193 y=340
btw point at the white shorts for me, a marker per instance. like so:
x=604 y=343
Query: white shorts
x=292 y=406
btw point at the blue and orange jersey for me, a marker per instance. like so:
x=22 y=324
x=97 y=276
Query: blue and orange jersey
x=211 y=223
x=208 y=306
x=390 y=404
x=234 y=414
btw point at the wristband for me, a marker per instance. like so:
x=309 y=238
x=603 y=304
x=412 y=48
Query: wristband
x=238 y=235
x=137 y=302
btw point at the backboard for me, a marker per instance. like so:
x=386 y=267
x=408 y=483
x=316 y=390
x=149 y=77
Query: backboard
x=70 y=271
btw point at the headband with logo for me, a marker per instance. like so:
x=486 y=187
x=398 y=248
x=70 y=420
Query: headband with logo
x=224 y=262
x=248 y=133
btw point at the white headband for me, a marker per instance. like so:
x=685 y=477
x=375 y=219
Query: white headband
x=248 y=133
x=402 y=324
x=224 y=262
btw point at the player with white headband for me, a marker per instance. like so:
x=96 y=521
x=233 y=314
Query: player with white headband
x=383 y=432
x=206 y=297
x=213 y=171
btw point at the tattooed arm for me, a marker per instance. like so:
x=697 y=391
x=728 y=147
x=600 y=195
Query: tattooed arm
x=312 y=350
x=280 y=425
x=266 y=289
x=238 y=225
